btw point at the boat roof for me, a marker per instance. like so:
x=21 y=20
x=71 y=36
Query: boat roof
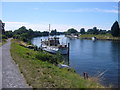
x=53 y=38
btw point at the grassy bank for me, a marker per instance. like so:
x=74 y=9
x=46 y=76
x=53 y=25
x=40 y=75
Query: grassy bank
x=40 y=73
x=101 y=37
x=3 y=41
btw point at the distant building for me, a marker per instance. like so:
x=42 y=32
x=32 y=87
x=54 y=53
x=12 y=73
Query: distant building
x=2 y=25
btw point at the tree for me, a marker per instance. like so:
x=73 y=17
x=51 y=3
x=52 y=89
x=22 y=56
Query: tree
x=82 y=31
x=53 y=32
x=115 y=31
x=9 y=34
x=102 y=31
x=45 y=33
x=90 y=31
x=2 y=25
x=72 y=31
x=95 y=30
x=21 y=30
x=109 y=31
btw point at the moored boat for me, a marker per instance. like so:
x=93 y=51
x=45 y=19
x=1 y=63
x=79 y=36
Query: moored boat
x=56 y=49
x=93 y=38
x=53 y=45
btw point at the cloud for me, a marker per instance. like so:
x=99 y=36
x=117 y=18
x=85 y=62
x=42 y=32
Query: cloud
x=15 y=25
x=106 y=11
x=44 y=27
x=36 y=8
x=15 y=22
x=88 y=10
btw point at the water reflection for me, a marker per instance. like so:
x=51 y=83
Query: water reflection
x=93 y=57
x=115 y=49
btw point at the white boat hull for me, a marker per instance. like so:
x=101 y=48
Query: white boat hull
x=93 y=38
x=55 y=50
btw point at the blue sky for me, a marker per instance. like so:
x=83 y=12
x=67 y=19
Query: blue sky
x=61 y=15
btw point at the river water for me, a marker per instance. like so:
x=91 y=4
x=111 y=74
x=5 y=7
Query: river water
x=98 y=58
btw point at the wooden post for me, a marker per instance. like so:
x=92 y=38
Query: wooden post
x=41 y=45
x=68 y=53
x=85 y=75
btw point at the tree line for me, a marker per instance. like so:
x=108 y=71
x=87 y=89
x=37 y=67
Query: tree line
x=26 y=34
x=115 y=30
x=89 y=31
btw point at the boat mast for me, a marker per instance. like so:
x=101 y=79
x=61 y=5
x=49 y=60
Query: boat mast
x=49 y=36
x=49 y=30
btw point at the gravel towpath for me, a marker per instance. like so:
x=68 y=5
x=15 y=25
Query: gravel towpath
x=11 y=76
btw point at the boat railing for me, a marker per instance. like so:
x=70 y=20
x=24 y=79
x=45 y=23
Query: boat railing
x=52 y=48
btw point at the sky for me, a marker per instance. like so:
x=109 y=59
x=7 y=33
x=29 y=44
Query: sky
x=60 y=15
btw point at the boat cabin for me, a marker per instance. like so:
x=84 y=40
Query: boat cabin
x=52 y=41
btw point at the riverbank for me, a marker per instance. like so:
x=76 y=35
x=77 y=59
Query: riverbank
x=11 y=76
x=43 y=74
x=3 y=42
x=100 y=37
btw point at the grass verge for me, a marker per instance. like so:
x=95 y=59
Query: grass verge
x=2 y=42
x=101 y=37
x=43 y=74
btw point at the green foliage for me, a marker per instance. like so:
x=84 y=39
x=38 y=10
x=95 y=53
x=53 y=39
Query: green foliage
x=4 y=37
x=72 y=31
x=96 y=31
x=115 y=31
x=9 y=34
x=100 y=36
x=93 y=31
x=102 y=31
x=82 y=31
x=36 y=33
x=2 y=30
x=25 y=34
x=108 y=32
x=47 y=57
x=90 y=31
x=53 y=32
x=2 y=41
x=21 y=30
x=45 y=33
x=16 y=36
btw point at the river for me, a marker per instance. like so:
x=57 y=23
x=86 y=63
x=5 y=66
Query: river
x=97 y=58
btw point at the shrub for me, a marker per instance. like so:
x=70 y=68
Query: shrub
x=47 y=57
x=4 y=37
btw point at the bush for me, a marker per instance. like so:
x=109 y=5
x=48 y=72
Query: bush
x=47 y=57
x=4 y=37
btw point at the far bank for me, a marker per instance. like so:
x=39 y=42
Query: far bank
x=100 y=37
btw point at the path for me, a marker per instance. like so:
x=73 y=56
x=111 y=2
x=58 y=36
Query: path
x=11 y=76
